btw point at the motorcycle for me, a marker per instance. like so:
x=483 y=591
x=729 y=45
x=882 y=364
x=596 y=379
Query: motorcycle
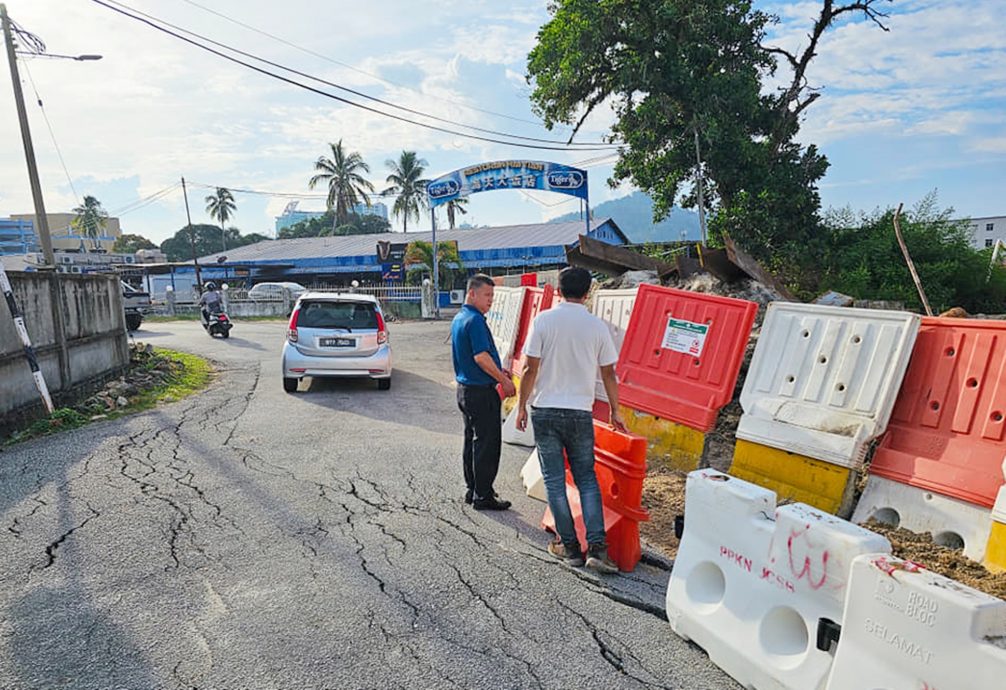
x=217 y=323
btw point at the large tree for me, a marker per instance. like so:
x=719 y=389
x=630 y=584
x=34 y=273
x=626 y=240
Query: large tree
x=684 y=75
x=90 y=220
x=207 y=239
x=407 y=182
x=356 y=224
x=130 y=244
x=220 y=205
x=343 y=175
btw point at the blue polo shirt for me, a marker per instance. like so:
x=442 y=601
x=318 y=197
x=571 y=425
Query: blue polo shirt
x=469 y=336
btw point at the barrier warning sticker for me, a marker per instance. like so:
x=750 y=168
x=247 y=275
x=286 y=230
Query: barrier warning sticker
x=685 y=337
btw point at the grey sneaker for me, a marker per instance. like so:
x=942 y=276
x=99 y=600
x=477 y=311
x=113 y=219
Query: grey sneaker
x=569 y=556
x=597 y=559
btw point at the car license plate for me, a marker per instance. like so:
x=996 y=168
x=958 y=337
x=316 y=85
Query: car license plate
x=337 y=342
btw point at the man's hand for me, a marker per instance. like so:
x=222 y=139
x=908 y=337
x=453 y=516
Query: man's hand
x=509 y=390
x=522 y=418
x=616 y=420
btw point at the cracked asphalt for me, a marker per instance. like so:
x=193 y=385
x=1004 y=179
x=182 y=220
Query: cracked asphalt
x=247 y=538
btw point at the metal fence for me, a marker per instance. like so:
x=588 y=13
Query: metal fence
x=384 y=293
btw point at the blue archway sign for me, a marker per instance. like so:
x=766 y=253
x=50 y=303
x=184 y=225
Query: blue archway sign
x=543 y=176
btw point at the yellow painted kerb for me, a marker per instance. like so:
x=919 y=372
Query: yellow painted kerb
x=995 y=552
x=674 y=445
x=794 y=478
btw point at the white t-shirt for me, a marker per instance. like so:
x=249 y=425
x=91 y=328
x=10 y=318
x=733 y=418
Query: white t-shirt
x=572 y=344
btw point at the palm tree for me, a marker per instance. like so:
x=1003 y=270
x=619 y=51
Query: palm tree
x=346 y=186
x=419 y=256
x=90 y=220
x=456 y=206
x=220 y=205
x=406 y=180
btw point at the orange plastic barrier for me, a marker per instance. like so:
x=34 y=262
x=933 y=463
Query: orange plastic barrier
x=536 y=301
x=947 y=432
x=682 y=354
x=620 y=465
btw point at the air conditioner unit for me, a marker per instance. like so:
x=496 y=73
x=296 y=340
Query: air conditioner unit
x=457 y=296
x=130 y=259
x=64 y=259
x=75 y=269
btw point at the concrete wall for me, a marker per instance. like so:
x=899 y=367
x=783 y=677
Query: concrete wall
x=95 y=329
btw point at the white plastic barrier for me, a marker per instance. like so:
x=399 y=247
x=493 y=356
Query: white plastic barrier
x=952 y=522
x=906 y=628
x=513 y=435
x=534 y=482
x=823 y=380
x=752 y=582
x=614 y=307
x=504 y=319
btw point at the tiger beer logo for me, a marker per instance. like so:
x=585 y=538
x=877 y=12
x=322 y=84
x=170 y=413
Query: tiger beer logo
x=383 y=250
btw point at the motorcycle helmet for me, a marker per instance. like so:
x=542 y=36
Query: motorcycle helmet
x=211 y=286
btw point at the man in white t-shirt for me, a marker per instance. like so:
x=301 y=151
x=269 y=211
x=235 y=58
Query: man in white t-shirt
x=564 y=350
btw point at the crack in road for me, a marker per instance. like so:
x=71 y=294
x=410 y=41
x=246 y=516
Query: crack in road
x=50 y=550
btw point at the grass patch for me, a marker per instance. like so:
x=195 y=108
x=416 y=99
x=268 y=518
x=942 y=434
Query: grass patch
x=189 y=374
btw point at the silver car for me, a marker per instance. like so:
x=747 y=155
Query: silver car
x=274 y=291
x=338 y=335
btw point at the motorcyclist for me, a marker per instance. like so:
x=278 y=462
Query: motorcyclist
x=210 y=301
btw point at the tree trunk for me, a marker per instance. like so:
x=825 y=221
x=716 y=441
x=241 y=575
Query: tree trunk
x=223 y=236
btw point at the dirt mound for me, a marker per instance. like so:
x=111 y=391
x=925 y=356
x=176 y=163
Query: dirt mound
x=951 y=563
x=664 y=498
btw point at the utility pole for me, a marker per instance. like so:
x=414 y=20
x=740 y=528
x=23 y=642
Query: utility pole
x=699 y=184
x=436 y=264
x=192 y=236
x=41 y=220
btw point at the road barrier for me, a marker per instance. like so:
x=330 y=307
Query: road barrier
x=531 y=477
x=614 y=307
x=504 y=318
x=756 y=585
x=513 y=435
x=952 y=522
x=995 y=551
x=823 y=380
x=536 y=301
x=905 y=628
x=682 y=354
x=620 y=466
x=794 y=477
x=948 y=429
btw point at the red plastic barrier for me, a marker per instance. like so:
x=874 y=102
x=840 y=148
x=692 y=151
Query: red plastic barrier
x=620 y=466
x=686 y=373
x=947 y=431
x=536 y=301
x=529 y=279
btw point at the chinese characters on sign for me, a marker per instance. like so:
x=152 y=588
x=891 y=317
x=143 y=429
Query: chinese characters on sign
x=514 y=174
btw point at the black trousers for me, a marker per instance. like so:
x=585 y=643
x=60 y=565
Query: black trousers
x=480 y=407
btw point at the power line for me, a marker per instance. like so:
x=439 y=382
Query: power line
x=148 y=22
x=378 y=77
x=52 y=134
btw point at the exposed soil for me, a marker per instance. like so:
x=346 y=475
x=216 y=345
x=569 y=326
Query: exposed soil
x=664 y=498
x=951 y=563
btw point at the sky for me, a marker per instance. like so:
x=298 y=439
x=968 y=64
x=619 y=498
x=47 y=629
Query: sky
x=902 y=113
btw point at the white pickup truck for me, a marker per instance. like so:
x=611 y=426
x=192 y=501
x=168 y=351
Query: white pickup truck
x=136 y=304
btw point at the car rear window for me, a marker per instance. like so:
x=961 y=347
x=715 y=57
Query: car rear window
x=352 y=315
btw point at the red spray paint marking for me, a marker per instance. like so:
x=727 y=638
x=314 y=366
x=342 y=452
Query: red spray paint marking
x=731 y=555
x=806 y=569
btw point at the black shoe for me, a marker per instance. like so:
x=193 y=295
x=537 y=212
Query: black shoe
x=468 y=496
x=597 y=559
x=571 y=556
x=493 y=503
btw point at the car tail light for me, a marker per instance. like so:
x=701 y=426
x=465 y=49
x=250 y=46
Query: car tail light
x=382 y=332
x=291 y=333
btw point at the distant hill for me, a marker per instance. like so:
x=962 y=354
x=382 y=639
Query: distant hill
x=634 y=215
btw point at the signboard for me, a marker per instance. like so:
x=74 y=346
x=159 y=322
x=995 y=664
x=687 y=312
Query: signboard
x=392 y=272
x=685 y=337
x=512 y=174
x=390 y=252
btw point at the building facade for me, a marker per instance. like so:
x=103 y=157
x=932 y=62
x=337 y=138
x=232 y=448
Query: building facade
x=985 y=231
x=66 y=239
x=292 y=216
x=17 y=237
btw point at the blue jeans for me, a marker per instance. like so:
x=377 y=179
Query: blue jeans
x=557 y=429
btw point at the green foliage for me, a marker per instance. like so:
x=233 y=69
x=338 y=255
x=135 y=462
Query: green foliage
x=406 y=180
x=419 y=262
x=179 y=248
x=90 y=220
x=342 y=174
x=680 y=70
x=862 y=258
x=322 y=226
x=130 y=244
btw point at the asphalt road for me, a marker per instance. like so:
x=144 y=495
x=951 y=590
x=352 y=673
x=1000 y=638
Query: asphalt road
x=247 y=538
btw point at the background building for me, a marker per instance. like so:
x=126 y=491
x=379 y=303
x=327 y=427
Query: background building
x=65 y=238
x=985 y=231
x=291 y=216
x=17 y=237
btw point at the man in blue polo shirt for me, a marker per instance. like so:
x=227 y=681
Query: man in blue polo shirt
x=477 y=369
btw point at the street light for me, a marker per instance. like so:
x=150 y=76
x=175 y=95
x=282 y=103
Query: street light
x=57 y=56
